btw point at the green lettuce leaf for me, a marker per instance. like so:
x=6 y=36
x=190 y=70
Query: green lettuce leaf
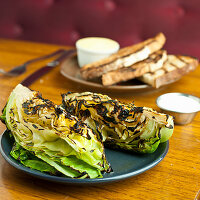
x=28 y=159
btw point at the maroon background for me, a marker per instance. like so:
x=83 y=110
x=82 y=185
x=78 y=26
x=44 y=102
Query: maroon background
x=127 y=21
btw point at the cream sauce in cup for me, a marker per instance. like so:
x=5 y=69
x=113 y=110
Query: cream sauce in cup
x=92 y=49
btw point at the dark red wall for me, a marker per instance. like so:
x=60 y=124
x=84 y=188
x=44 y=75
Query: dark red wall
x=127 y=21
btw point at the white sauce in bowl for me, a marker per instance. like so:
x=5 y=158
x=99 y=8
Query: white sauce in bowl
x=179 y=102
x=98 y=44
x=92 y=49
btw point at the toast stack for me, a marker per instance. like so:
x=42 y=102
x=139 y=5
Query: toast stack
x=146 y=61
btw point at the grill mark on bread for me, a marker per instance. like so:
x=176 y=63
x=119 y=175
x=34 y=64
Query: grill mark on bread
x=140 y=49
x=152 y=63
x=124 y=57
x=179 y=57
x=173 y=64
x=181 y=64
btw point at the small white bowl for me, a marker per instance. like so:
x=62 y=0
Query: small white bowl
x=92 y=49
x=183 y=107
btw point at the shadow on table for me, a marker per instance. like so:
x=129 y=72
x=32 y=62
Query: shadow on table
x=13 y=179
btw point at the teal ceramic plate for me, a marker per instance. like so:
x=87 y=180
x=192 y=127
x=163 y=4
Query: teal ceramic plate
x=124 y=164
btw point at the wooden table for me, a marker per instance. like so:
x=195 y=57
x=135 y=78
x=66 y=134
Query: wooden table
x=176 y=177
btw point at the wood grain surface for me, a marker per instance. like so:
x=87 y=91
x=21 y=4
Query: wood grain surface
x=176 y=177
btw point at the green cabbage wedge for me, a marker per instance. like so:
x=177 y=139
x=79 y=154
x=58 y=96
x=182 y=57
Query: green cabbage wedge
x=53 y=135
x=124 y=126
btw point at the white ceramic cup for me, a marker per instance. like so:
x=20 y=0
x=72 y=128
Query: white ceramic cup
x=92 y=49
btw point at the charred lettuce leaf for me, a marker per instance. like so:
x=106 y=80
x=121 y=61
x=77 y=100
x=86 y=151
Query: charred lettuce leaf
x=124 y=126
x=53 y=135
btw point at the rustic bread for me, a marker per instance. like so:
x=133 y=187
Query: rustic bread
x=125 y=57
x=151 y=64
x=173 y=69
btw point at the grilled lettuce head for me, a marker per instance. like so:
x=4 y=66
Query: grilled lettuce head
x=124 y=126
x=53 y=135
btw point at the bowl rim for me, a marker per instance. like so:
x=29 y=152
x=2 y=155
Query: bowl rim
x=104 y=52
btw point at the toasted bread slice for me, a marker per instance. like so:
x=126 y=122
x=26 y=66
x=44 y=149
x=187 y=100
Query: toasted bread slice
x=152 y=63
x=125 y=57
x=173 y=69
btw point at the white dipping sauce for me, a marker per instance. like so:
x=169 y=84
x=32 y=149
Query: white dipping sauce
x=98 y=44
x=92 y=49
x=179 y=103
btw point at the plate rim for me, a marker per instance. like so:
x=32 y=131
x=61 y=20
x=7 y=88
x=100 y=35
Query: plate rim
x=143 y=87
x=57 y=179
